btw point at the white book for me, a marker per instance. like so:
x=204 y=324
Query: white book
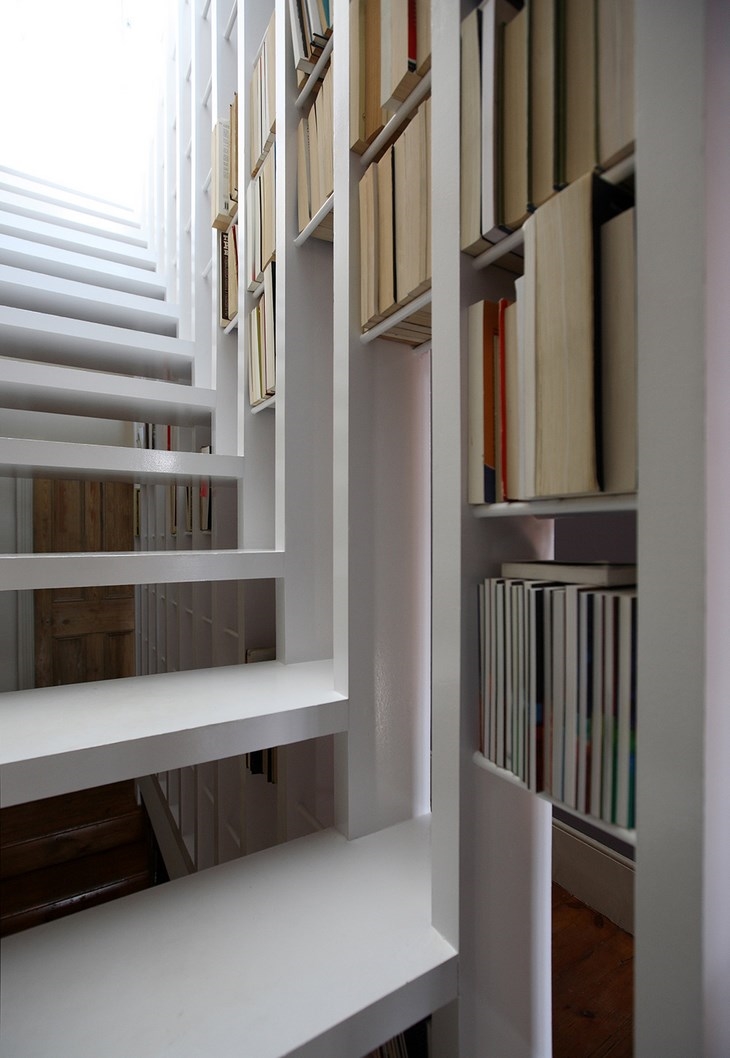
x=475 y=397
x=558 y=691
x=492 y=671
x=509 y=679
x=499 y=593
x=596 y=720
x=570 y=730
x=626 y=618
x=494 y=14
x=591 y=574
x=483 y=632
x=608 y=784
x=586 y=601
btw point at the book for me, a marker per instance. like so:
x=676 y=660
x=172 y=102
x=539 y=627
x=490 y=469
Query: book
x=592 y=574
x=494 y=16
x=615 y=122
x=565 y=270
x=544 y=100
x=579 y=90
x=626 y=710
x=618 y=353
x=367 y=117
x=482 y=338
x=513 y=132
x=224 y=317
x=220 y=200
x=470 y=138
x=386 y=233
x=268 y=309
x=399 y=49
x=233 y=150
x=367 y=192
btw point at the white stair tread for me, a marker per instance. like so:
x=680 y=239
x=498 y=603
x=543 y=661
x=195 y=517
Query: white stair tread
x=96 y=569
x=71 y=391
x=58 y=739
x=67 y=297
x=48 y=234
x=81 y=343
x=21 y=457
x=82 y=267
x=68 y=217
x=320 y=948
x=34 y=187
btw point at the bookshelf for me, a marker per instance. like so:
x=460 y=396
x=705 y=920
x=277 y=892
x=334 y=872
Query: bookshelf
x=352 y=497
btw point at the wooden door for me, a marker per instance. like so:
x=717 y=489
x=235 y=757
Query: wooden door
x=83 y=634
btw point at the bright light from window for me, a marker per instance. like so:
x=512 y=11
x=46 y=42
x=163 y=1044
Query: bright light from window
x=79 y=81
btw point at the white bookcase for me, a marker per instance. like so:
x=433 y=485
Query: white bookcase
x=351 y=494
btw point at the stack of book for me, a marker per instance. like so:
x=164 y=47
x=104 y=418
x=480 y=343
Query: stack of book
x=315 y=168
x=228 y=275
x=552 y=375
x=311 y=26
x=558 y=682
x=390 y=51
x=262 y=119
x=262 y=342
x=547 y=95
x=395 y=226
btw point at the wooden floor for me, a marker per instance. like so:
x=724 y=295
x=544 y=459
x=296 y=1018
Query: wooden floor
x=593 y=977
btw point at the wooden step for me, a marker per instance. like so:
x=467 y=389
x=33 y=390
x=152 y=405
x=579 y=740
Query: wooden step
x=71 y=843
x=83 y=301
x=52 y=892
x=55 y=829
x=39 y=818
x=44 y=338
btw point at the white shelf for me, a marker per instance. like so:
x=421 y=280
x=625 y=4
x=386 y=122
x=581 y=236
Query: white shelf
x=70 y=391
x=403 y=313
x=67 y=297
x=49 y=570
x=324 y=210
x=315 y=75
x=232 y=325
x=404 y=111
x=270 y=402
x=20 y=457
x=627 y=836
x=58 y=739
x=598 y=504
x=318 y=948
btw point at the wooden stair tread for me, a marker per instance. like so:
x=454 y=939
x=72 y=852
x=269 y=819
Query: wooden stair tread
x=36 y=916
x=72 y=882
x=36 y=819
x=72 y=842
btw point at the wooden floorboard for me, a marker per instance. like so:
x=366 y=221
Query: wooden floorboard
x=593 y=977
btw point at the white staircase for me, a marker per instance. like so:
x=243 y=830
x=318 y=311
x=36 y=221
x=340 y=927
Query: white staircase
x=85 y=331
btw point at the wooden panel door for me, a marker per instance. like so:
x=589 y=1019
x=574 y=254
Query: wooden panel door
x=83 y=634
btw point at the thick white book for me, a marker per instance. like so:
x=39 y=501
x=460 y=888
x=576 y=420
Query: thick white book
x=591 y=574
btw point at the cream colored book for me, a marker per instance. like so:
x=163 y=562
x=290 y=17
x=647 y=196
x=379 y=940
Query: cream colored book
x=544 y=83
x=303 y=211
x=386 y=254
x=618 y=352
x=513 y=159
x=615 y=80
x=580 y=88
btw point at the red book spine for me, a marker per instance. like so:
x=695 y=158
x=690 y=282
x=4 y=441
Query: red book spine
x=503 y=304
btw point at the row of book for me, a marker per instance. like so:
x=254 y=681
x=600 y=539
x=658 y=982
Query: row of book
x=228 y=275
x=311 y=26
x=315 y=161
x=558 y=682
x=547 y=95
x=395 y=222
x=261 y=221
x=390 y=51
x=262 y=121
x=552 y=375
x=262 y=342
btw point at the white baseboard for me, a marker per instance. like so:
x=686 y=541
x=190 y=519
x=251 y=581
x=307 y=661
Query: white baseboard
x=598 y=876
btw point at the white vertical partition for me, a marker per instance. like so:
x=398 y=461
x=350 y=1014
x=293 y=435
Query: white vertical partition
x=202 y=306
x=382 y=528
x=183 y=221
x=227 y=434
x=256 y=500
x=304 y=310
